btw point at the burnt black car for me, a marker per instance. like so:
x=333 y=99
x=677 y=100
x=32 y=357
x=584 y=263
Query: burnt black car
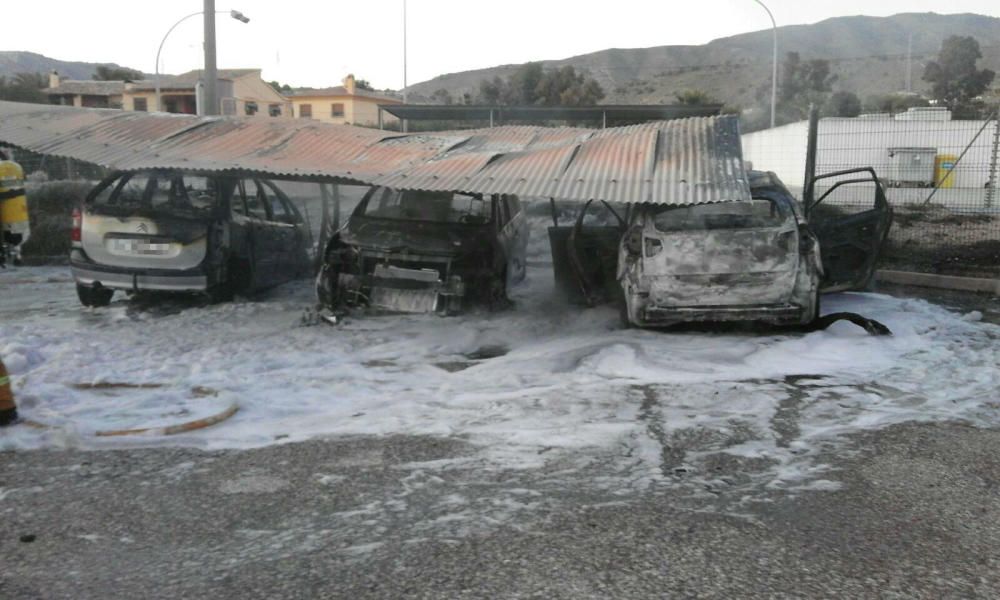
x=180 y=231
x=420 y=251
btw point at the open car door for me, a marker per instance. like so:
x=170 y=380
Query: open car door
x=585 y=257
x=851 y=219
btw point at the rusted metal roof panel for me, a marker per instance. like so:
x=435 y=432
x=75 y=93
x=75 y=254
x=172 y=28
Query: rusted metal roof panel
x=684 y=161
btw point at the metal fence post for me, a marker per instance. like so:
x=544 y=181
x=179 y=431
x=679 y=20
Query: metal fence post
x=991 y=185
x=811 y=141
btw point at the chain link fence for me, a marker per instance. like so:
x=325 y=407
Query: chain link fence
x=939 y=175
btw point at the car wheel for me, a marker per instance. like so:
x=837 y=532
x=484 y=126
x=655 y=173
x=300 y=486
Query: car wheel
x=94 y=296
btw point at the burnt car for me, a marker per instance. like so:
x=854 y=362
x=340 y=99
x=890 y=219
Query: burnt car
x=421 y=251
x=176 y=231
x=758 y=261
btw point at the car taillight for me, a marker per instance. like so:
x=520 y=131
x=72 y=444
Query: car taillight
x=77 y=224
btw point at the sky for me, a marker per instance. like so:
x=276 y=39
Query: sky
x=316 y=43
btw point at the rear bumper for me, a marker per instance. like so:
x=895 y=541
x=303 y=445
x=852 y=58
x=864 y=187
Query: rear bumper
x=118 y=278
x=780 y=314
x=396 y=289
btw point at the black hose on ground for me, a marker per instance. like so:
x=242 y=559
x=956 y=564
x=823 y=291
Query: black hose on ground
x=870 y=325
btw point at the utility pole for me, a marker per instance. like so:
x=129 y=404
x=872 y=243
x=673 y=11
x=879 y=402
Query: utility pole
x=406 y=124
x=909 y=64
x=774 y=60
x=210 y=72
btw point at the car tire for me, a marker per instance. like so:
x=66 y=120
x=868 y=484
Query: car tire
x=94 y=296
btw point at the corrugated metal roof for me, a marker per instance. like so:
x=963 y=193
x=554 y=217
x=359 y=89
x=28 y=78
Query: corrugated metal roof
x=684 y=161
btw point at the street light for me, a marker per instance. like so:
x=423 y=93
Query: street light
x=774 y=61
x=235 y=14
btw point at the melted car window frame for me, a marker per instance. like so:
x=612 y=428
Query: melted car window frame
x=420 y=210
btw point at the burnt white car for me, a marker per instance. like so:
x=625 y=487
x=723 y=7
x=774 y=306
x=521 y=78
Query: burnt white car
x=758 y=261
x=174 y=231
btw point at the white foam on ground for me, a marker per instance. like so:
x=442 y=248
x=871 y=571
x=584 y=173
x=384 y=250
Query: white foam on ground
x=567 y=383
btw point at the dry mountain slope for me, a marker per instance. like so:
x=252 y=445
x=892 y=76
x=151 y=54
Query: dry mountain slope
x=13 y=62
x=867 y=54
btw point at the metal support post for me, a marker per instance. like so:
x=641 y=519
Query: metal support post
x=211 y=74
x=991 y=185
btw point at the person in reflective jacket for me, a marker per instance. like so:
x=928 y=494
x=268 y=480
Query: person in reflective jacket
x=14 y=224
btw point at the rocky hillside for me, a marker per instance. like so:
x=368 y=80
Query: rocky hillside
x=13 y=62
x=868 y=54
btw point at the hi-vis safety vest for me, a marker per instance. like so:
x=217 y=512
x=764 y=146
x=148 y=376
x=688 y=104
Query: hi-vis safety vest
x=13 y=203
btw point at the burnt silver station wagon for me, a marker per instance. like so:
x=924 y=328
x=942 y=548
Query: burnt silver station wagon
x=760 y=260
x=178 y=231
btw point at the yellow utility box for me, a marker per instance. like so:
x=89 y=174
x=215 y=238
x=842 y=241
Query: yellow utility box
x=943 y=164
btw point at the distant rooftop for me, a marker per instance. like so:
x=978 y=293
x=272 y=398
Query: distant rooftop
x=340 y=90
x=87 y=87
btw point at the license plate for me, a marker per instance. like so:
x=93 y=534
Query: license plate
x=140 y=247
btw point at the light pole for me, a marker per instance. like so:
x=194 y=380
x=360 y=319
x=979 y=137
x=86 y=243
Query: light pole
x=232 y=13
x=774 y=61
x=406 y=123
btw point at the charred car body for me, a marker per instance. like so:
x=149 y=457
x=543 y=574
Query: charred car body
x=417 y=251
x=758 y=260
x=185 y=232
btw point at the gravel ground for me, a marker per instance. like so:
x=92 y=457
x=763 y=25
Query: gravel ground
x=916 y=516
x=909 y=511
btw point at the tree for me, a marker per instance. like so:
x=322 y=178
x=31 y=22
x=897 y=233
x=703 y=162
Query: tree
x=800 y=78
x=110 y=73
x=803 y=83
x=442 y=96
x=362 y=84
x=523 y=85
x=954 y=79
x=842 y=104
x=566 y=87
x=533 y=85
x=279 y=87
x=491 y=91
x=24 y=87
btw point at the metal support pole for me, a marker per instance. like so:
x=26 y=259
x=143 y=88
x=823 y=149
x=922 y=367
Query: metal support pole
x=211 y=74
x=808 y=191
x=991 y=185
x=491 y=117
x=381 y=125
x=604 y=119
x=156 y=78
x=406 y=122
x=774 y=60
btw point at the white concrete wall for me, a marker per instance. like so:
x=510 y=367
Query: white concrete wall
x=848 y=143
x=781 y=150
